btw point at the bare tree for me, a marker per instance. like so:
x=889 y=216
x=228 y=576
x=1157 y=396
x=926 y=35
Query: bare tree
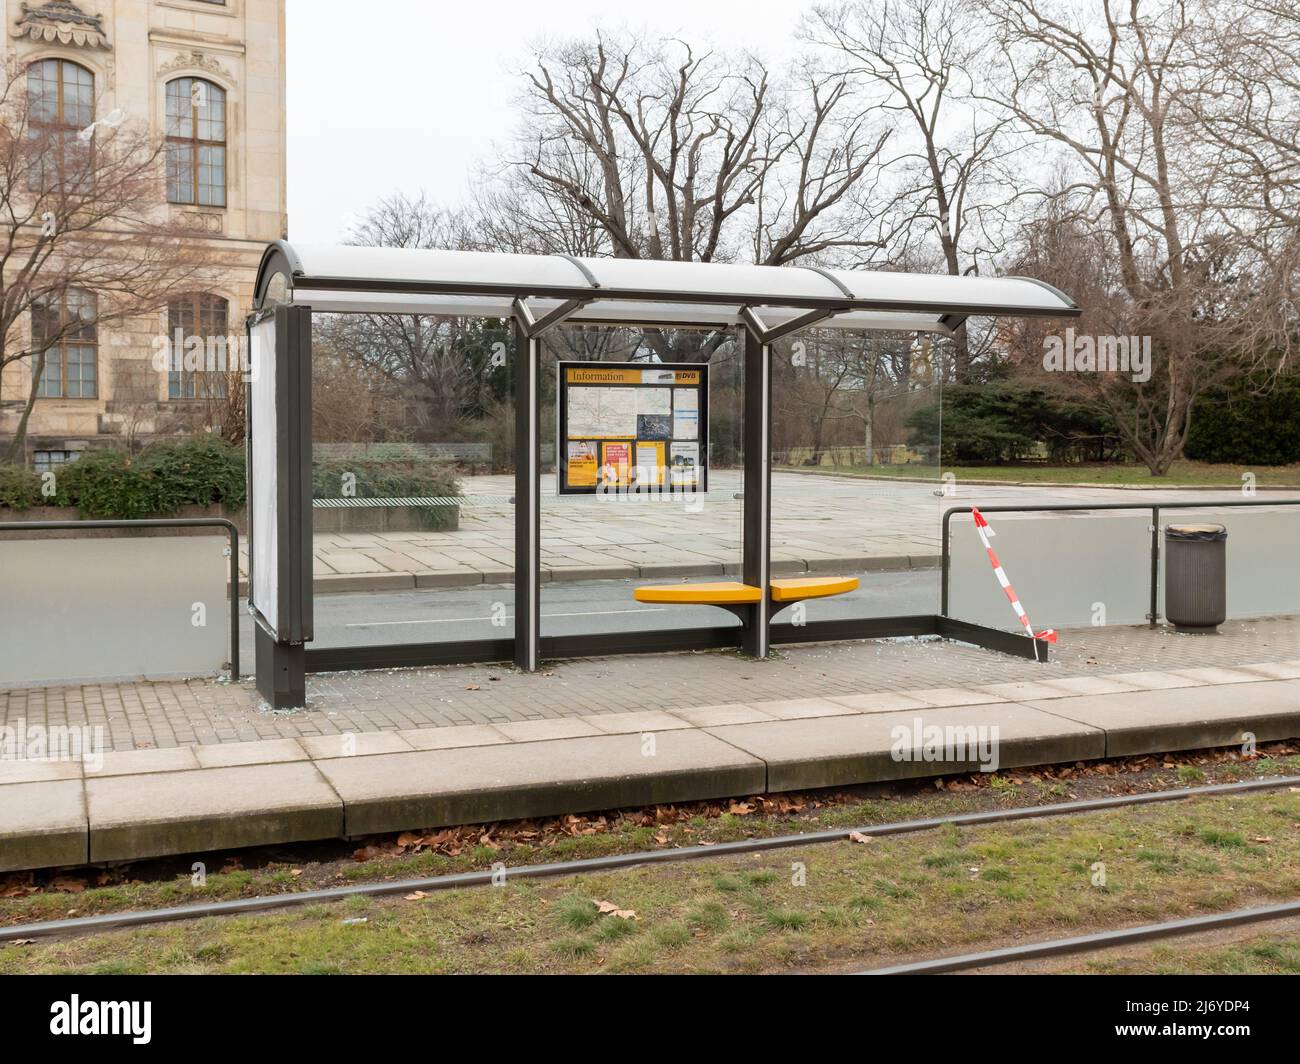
x=440 y=365
x=81 y=211
x=1123 y=90
x=663 y=152
x=915 y=61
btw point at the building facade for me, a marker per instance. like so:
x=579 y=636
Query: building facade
x=209 y=77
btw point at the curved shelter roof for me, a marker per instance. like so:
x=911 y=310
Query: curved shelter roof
x=345 y=278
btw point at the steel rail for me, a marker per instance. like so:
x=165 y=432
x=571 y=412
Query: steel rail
x=1153 y=614
x=239 y=906
x=1062 y=947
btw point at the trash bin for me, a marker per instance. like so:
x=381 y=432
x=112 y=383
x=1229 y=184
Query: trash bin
x=1196 y=576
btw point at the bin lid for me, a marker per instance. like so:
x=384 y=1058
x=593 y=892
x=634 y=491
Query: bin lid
x=1210 y=533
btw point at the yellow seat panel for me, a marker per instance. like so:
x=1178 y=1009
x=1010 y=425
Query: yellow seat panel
x=806 y=587
x=722 y=594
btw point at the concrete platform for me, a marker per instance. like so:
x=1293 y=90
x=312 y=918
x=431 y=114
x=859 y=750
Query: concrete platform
x=194 y=811
x=863 y=747
x=1189 y=718
x=528 y=779
x=204 y=797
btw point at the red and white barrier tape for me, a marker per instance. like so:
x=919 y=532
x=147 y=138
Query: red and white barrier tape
x=985 y=534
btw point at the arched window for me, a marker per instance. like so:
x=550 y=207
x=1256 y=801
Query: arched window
x=60 y=106
x=198 y=371
x=66 y=322
x=196 y=142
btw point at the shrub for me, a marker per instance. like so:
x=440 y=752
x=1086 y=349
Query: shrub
x=1241 y=428
x=110 y=485
x=19 y=488
x=200 y=471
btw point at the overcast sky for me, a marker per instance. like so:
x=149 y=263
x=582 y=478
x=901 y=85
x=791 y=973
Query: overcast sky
x=411 y=94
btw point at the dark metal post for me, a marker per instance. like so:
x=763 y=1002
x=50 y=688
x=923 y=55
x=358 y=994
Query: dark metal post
x=528 y=554
x=1154 y=615
x=280 y=643
x=757 y=560
x=946 y=550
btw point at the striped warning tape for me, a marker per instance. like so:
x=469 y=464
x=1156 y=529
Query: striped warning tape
x=985 y=534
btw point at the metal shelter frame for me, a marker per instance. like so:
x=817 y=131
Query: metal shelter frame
x=539 y=293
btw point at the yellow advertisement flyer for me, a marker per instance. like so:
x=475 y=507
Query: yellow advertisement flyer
x=616 y=464
x=582 y=463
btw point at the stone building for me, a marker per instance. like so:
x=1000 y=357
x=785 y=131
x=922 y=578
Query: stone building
x=209 y=75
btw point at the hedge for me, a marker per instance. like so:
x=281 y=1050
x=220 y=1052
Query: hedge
x=207 y=471
x=1237 y=427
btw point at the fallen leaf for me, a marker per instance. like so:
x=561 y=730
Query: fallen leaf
x=857 y=836
x=471 y=687
x=69 y=884
x=415 y=896
x=608 y=908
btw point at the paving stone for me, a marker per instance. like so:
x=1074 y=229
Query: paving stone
x=42 y=825
x=953 y=696
x=862 y=748
x=1277 y=670
x=353 y=744
x=20 y=770
x=393 y=792
x=803 y=708
x=133 y=762
x=1016 y=692
x=262 y=752
x=650 y=720
x=1216 y=675
x=881 y=702
x=532 y=731
x=714 y=716
x=1155 y=681
x=1192 y=718
x=210 y=809
x=453 y=738
x=1088 y=685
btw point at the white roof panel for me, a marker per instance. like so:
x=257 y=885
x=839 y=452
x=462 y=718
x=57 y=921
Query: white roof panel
x=418 y=281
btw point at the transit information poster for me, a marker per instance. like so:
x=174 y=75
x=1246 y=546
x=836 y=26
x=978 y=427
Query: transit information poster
x=631 y=426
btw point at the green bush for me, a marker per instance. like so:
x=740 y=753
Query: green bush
x=199 y=472
x=206 y=471
x=109 y=485
x=1240 y=428
x=19 y=488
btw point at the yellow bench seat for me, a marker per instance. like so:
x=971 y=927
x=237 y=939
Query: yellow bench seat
x=720 y=594
x=730 y=593
x=805 y=587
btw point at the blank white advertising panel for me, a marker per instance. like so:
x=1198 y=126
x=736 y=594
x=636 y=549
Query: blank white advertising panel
x=264 y=499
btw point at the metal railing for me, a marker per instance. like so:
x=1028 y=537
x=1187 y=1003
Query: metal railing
x=1153 y=614
x=180 y=522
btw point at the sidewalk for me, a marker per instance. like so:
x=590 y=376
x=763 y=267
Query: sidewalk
x=390 y=751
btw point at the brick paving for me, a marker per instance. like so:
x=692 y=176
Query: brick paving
x=167 y=714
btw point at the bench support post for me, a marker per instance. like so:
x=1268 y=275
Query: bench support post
x=757 y=560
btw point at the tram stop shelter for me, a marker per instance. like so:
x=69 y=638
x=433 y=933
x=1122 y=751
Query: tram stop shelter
x=537 y=293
